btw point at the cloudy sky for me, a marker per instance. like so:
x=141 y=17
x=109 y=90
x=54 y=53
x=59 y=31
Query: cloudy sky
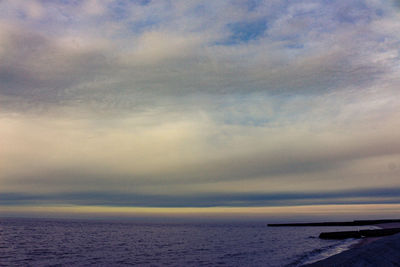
x=199 y=104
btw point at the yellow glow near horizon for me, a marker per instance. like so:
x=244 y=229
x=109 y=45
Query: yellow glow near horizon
x=328 y=210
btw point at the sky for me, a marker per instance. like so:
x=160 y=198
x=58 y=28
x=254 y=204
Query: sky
x=199 y=105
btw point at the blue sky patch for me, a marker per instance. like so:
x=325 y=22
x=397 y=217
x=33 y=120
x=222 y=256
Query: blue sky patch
x=246 y=31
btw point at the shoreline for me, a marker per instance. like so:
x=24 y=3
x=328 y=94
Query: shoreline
x=370 y=251
x=368 y=240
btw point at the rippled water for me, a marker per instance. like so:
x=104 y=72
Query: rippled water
x=38 y=242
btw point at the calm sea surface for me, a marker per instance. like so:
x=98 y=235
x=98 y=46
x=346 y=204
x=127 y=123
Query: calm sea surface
x=38 y=242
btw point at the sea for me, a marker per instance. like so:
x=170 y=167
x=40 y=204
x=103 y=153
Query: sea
x=65 y=242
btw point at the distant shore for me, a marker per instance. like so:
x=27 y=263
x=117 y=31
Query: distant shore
x=376 y=251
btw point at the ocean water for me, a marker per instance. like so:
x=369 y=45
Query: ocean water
x=39 y=242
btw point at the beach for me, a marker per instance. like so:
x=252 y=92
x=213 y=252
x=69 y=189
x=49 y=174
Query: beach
x=377 y=251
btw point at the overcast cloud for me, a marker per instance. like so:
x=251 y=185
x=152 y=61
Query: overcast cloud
x=199 y=103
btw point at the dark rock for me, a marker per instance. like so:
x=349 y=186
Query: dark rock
x=340 y=235
x=353 y=223
x=379 y=232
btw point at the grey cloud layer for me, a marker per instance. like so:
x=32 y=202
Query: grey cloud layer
x=371 y=196
x=330 y=50
x=197 y=156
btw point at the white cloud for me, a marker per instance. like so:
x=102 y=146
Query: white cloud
x=95 y=7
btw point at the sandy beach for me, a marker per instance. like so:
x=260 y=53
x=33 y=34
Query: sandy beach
x=377 y=251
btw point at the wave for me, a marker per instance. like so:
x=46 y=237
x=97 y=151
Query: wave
x=324 y=252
